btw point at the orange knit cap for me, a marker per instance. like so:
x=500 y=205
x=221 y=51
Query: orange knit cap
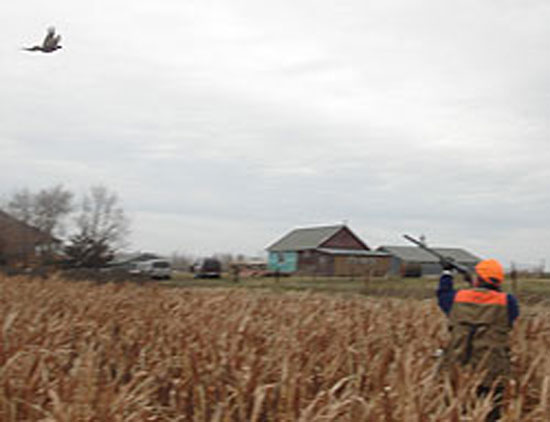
x=490 y=271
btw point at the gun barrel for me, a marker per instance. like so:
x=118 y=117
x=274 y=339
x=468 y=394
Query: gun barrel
x=442 y=258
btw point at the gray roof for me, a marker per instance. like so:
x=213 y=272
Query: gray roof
x=305 y=238
x=8 y=219
x=352 y=252
x=416 y=254
x=125 y=258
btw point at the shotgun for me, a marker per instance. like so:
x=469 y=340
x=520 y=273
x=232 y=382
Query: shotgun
x=445 y=261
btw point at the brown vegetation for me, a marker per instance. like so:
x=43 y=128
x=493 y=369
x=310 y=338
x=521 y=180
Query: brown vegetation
x=77 y=351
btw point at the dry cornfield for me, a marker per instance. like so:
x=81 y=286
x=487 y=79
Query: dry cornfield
x=77 y=351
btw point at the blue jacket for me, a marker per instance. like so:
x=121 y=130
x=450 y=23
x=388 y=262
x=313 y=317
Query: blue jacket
x=446 y=296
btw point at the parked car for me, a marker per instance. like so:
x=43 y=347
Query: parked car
x=154 y=268
x=207 y=268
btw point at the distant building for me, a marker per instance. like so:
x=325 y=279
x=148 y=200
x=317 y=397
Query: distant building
x=412 y=261
x=325 y=251
x=22 y=245
x=249 y=267
x=128 y=261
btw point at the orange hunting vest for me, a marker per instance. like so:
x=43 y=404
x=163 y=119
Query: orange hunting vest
x=479 y=327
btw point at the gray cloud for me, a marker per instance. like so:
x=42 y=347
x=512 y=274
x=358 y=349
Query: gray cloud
x=224 y=124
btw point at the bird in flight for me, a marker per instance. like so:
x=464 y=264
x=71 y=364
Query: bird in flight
x=50 y=43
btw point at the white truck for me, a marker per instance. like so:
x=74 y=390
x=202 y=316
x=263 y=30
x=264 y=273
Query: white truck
x=154 y=268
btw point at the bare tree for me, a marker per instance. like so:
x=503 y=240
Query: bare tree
x=21 y=206
x=51 y=206
x=44 y=210
x=102 y=228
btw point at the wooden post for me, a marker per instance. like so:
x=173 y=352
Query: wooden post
x=235 y=270
x=514 y=278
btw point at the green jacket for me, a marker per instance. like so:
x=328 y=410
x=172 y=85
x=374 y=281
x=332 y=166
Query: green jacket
x=479 y=327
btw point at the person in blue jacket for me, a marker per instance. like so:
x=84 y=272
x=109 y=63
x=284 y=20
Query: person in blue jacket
x=446 y=291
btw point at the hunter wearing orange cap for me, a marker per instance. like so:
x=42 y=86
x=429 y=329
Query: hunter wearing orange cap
x=480 y=319
x=490 y=271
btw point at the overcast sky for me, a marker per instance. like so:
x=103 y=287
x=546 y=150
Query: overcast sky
x=223 y=124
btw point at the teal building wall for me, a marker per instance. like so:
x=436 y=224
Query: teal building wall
x=285 y=262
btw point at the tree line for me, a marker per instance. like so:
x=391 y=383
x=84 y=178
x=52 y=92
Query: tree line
x=88 y=231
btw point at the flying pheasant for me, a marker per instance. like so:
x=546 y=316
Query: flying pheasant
x=50 y=43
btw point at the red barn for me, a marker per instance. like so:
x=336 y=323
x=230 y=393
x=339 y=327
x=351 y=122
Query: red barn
x=325 y=251
x=22 y=245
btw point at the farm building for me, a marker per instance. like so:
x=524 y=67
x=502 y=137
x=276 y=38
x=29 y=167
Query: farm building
x=412 y=261
x=325 y=251
x=127 y=261
x=22 y=245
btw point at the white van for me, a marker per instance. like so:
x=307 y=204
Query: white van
x=154 y=268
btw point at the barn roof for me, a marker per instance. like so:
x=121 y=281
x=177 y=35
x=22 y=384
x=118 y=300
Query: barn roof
x=416 y=254
x=126 y=258
x=7 y=220
x=305 y=238
x=352 y=252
